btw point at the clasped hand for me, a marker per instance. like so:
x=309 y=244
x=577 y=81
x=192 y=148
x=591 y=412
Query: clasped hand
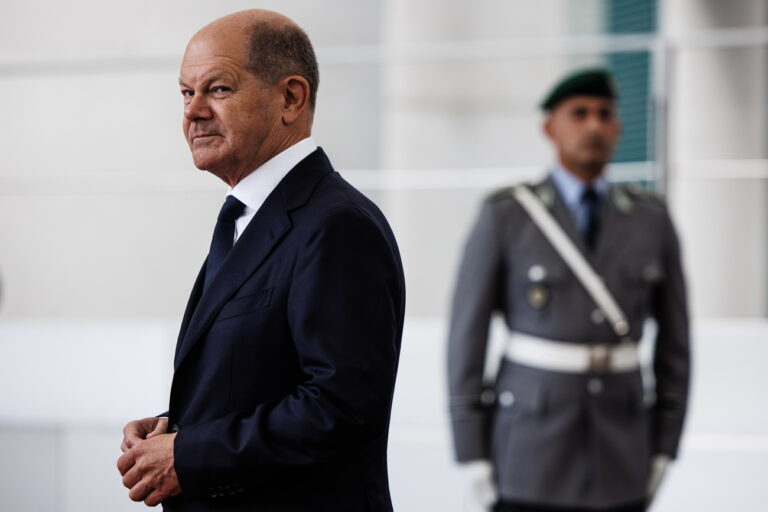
x=147 y=461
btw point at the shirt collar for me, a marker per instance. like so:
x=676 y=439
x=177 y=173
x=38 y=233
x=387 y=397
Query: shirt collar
x=571 y=188
x=254 y=189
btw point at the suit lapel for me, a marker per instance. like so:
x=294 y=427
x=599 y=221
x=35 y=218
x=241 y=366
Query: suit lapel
x=194 y=298
x=267 y=228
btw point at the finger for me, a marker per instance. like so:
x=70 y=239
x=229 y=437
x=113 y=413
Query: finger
x=131 y=439
x=132 y=429
x=129 y=442
x=126 y=462
x=139 y=491
x=160 y=428
x=154 y=498
x=132 y=477
x=138 y=429
x=163 y=492
x=128 y=432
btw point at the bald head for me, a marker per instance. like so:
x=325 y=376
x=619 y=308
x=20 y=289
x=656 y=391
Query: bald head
x=239 y=21
x=272 y=46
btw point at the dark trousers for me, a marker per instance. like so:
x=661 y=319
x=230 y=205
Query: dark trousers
x=505 y=506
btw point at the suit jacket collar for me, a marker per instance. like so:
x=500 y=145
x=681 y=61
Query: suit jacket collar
x=254 y=188
x=270 y=224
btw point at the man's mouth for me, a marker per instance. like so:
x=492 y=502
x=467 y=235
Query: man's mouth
x=595 y=145
x=204 y=136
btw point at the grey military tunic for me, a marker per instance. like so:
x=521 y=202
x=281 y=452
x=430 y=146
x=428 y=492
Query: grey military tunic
x=557 y=438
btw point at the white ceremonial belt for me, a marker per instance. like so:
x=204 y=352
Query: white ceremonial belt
x=561 y=356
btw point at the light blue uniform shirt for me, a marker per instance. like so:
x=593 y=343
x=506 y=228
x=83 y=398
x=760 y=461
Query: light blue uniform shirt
x=571 y=189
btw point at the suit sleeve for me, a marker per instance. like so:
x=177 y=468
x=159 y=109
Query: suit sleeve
x=671 y=362
x=345 y=311
x=475 y=298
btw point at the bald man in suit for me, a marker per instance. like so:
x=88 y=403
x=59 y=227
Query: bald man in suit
x=286 y=360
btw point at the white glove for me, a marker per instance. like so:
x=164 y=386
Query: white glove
x=659 y=465
x=480 y=493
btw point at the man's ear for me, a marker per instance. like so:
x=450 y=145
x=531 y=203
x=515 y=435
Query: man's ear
x=295 y=90
x=548 y=128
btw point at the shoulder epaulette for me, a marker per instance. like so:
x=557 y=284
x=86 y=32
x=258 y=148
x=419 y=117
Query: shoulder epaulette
x=642 y=194
x=502 y=193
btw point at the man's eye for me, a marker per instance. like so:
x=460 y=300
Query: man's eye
x=606 y=115
x=221 y=88
x=579 y=113
x=187 y=93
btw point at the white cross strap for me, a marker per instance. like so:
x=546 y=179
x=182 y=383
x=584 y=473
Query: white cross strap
x=573 y=258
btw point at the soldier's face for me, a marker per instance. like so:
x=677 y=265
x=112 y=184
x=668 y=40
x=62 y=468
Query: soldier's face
x=584 y=130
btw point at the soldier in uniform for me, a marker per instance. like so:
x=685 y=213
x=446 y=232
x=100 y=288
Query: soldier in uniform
x=575 y=265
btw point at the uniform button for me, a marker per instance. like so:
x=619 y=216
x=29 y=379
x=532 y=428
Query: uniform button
x=597 y=317
x=650 y=272
x=487 y=397
x=506 y=398
x=595 y=386
x=621 y=327
x=537 y=273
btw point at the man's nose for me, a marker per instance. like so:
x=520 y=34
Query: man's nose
x=197 y=108
x=595 y=123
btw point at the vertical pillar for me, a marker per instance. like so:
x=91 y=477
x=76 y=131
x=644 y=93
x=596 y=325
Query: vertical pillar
x=718 y=130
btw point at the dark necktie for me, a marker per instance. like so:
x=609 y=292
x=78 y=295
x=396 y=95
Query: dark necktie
x=591 y=203
x=223 y=237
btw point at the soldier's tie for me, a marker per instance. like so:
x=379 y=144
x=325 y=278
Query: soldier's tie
x=223 y=237
x=591 y=203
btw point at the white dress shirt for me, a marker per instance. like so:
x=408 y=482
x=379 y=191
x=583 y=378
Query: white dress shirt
x=254 y=189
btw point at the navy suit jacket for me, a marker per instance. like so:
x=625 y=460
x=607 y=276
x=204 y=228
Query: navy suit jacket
x=285 y=366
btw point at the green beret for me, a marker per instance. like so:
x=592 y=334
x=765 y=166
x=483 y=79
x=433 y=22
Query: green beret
x=587 y=82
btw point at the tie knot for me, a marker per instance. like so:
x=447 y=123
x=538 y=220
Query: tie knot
x=231 y=210
x=589 y=196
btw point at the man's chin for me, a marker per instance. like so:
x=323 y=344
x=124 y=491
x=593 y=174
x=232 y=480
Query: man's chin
x=202 y=166
x=204 y=162
x=596 y=162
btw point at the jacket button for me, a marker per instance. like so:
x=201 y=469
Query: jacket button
x=595 y=386
x=174 y=428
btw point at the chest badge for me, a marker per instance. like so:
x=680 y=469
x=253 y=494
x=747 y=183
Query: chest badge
x=537 y=295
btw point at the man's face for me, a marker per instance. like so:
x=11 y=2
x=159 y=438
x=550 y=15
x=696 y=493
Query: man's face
x=229 y=114
x=584 y=130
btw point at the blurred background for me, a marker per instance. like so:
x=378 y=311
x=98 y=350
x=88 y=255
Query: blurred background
x=427 y=106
